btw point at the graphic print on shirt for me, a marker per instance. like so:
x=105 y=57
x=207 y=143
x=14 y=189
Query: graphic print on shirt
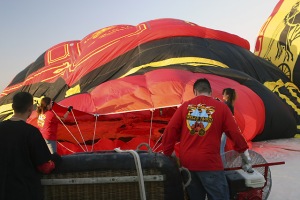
x=199 y=118
x=41 y=120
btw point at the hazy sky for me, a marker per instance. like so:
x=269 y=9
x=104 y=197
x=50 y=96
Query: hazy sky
x=30 y=27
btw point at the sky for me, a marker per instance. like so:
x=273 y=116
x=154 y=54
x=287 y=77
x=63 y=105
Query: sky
x=28 y=28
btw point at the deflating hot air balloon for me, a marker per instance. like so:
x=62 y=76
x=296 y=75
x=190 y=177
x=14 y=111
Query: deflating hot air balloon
x=279 y=39
x=125 y=83
x=279 y=43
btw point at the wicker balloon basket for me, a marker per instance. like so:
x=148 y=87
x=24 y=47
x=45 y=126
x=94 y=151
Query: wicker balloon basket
x=110 y=175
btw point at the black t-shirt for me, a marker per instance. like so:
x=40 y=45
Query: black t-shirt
x=22 y=149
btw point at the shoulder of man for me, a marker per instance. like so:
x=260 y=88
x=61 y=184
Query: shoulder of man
x=32 y=128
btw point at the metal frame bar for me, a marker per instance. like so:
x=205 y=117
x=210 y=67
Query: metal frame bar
x=257 y=165
x=97 y=180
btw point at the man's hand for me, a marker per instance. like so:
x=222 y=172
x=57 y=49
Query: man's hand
x=246 y=162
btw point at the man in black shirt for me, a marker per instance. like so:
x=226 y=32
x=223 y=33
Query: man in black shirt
x=23 y=154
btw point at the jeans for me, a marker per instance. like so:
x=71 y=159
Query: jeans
x=210 y=183
x=222 y=147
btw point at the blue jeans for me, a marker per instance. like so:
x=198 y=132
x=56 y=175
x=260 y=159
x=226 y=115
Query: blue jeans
x=222 y=147
x=51 y=145
x=210 y=183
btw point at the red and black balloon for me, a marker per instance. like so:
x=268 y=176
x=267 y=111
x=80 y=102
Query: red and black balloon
x=125 y=82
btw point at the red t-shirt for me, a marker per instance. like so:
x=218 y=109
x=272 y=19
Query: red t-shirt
x=48 y=123
x=198 y=124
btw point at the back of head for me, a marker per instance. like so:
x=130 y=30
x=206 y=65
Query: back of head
x=202 y=85
x=22 y=101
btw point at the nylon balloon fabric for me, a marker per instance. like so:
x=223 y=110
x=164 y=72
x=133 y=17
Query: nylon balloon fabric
x=278 y=42
x=125 y=83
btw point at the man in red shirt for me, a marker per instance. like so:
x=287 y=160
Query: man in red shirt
x=198 y=125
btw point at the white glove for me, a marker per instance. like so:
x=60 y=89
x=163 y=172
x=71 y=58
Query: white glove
x=246 y=162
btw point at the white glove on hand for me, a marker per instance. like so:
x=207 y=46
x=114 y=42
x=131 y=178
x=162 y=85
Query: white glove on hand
x=246 y=162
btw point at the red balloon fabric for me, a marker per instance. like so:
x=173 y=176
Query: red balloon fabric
x=125 y=82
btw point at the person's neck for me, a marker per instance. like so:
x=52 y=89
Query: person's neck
x=204 y=94
x=18 y=117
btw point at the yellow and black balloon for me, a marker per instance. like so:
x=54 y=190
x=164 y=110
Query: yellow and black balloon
x=279 y=42
x=125 y=82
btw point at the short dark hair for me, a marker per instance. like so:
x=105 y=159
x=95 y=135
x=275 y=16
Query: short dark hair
x=202 y=85
x=22 y=101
